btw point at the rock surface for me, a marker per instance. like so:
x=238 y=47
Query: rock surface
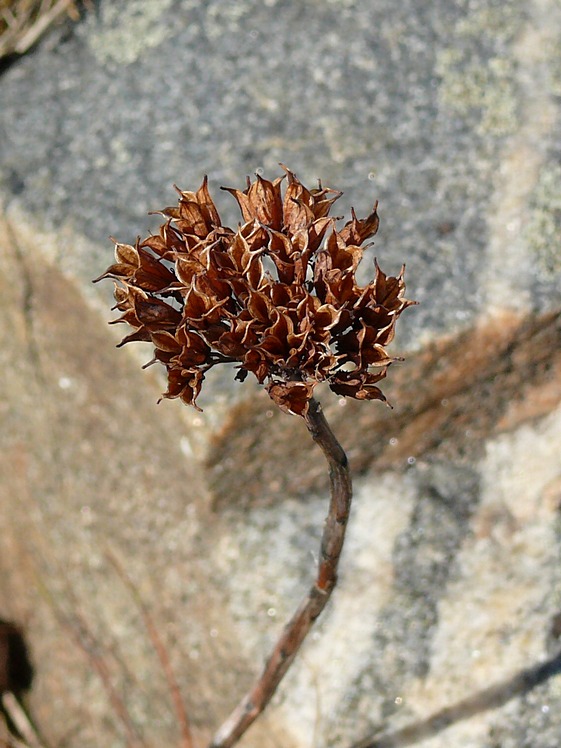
x=444 y=630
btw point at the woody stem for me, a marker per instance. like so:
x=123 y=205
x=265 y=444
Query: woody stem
x=296 y=630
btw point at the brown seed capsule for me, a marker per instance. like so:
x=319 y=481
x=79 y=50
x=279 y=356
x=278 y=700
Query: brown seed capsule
x=278 y=296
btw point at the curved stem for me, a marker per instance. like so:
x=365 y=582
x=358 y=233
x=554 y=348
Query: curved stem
x=296 y=630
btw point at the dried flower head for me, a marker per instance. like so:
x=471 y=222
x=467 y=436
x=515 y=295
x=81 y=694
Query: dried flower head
x=278 y=296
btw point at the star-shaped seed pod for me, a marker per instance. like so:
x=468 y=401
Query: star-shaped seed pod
x=278 y=296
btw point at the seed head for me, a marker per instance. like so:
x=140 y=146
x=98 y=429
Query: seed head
x=278 y=296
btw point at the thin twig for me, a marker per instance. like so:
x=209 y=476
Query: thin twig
x=86 y=641
x=161 y=652
x=492 y=697
x=296 y=630
x=79 y=630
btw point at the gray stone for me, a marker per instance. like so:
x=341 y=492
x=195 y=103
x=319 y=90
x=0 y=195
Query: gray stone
x=442 y=629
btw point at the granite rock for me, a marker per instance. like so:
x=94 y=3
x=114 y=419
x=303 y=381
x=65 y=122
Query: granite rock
x=444 y=629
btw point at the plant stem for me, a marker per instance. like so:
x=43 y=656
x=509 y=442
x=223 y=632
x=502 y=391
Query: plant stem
x=296 y=630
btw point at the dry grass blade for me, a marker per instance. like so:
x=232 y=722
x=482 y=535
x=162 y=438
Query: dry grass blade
x=22 y=22
x=82 y=635
x=22 y=722
x=85 y=639
x=161 y=652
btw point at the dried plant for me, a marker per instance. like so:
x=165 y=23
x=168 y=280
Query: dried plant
x=23 y=22
x=278 y=297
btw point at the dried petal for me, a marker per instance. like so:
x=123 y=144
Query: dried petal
x=357 y=231
x=358 y=384
x=292 y=397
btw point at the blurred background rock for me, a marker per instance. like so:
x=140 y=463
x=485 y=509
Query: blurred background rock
x=443 y=629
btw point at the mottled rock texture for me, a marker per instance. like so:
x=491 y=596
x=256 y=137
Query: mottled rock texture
x=444 y=630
